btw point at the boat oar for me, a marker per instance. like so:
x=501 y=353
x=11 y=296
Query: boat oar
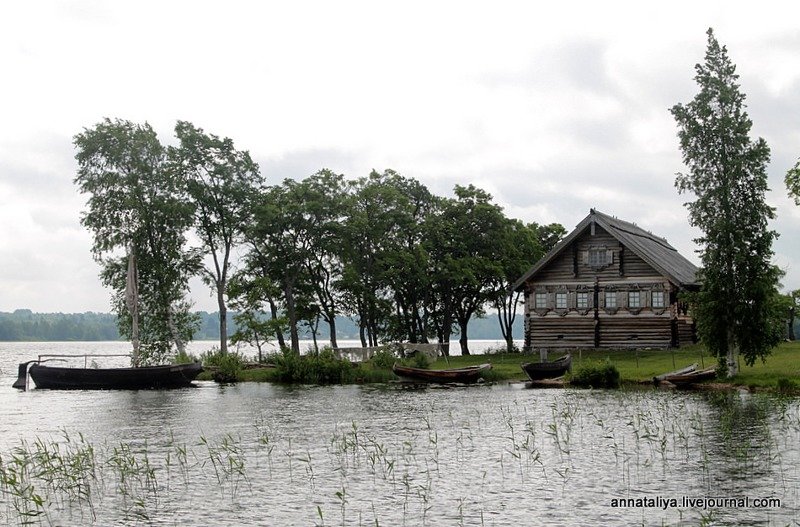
x=22 y=375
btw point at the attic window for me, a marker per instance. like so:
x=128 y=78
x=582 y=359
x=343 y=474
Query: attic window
x=599 y=257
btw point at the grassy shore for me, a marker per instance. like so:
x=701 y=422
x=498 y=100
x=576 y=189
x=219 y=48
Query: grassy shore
x=634 y=366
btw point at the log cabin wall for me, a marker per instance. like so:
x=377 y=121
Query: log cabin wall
x=599 y=294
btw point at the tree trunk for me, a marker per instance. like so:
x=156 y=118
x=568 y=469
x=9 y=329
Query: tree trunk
x=462 y=340
x=507 y=314
x=332 y=326
x=731 y=361
x=273 y=309
x=290 y=312
x=444 y=337
x=223 y=318
x=791 y=323
x=361 y=326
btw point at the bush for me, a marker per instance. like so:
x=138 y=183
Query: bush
x=184 y=358
x=383 y=360
x=418 y=360
x=315 y=368
x=225 y=368
x=603 y=375
x=787 y=386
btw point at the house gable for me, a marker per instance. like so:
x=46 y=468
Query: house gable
x=632 y=251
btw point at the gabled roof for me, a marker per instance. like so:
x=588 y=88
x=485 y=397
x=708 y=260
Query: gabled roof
x=655 y=251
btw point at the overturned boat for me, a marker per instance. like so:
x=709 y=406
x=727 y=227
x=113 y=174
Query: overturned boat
x=536 y=371
x=466 y=375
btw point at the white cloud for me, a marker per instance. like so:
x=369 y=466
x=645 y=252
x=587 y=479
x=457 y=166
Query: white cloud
x=553 y=108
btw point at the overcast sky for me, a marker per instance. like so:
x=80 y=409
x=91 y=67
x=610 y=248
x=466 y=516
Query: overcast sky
x=551 y=108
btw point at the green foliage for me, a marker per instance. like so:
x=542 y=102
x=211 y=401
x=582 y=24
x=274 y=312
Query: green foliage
x=792 y=181
x=383 y=360
x=523 y=246
x=420 y=360
x=225 y=367
x=727 y=175
x=596 y=375
x=220 y=183
x=789 y=386
x=314 y=368
x=182 y=357
x=138 y=207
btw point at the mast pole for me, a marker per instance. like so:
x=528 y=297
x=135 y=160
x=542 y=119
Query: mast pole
x=132 y=301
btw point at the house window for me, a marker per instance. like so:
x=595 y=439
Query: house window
x=634 y=299
x=582 y=300
x=540 y=301
x=561 y=300
x=658 y=299
x=598 y=257
x=611 y=299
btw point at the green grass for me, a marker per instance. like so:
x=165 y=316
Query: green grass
x=634 y=366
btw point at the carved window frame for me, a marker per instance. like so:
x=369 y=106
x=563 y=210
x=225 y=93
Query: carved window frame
x=598 y=257
x=610 y=293
x=658 y=290
x=635 y=307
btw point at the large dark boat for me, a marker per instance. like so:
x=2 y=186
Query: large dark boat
x=537 y=371
x=467 y=375
x=141 y=378
x=86 y=378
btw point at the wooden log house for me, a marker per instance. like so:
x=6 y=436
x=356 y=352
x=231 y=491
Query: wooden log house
x=608 y=285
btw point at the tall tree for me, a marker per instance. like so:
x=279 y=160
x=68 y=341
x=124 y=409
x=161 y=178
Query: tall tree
x=792 y=181
x=523 y=246
x=138 y=208
x=221 y=182
x=279 y=245
x=376 y=216
x=320 y=201
x=727 y=175
x=477 y=250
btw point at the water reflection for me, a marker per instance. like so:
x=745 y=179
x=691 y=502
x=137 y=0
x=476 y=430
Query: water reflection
x=389 y=455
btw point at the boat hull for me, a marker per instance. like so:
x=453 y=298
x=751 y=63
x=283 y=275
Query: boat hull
x=143 y=378
x=689 y=379
x=537 y=371
x=466 y=375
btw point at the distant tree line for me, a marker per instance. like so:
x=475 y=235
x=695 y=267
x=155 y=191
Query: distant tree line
x=25 y=325
x=405 y=264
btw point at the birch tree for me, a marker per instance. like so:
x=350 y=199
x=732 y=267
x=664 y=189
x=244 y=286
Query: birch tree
x=726 y=172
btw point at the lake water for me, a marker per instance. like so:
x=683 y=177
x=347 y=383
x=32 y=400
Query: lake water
x=263 y=454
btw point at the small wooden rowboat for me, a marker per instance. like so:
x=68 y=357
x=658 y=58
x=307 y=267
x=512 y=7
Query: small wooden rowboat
x=144 y=377
x=687 y=379
x=688 y=369
x=467 y=375
x=537 y=371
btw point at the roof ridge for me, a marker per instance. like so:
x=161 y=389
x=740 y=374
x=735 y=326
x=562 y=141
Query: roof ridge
x=637 y=231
